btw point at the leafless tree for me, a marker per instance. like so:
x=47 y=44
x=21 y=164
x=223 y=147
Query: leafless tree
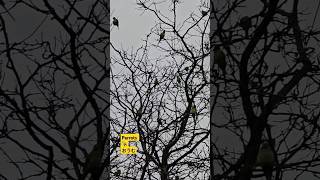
x=161 y=93
x=55 y=101
x=270 y=91
x=55 y=90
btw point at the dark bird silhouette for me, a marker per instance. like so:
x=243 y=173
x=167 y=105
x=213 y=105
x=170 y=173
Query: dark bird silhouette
x=265 y=159
x=92 y=164
x=193 y=111
x=156 y=82
x=115 y=22
x=117 y=173
x=245 y=24
x=204 y=13
x=220 y=59
x=162 y=35
x=178 y=79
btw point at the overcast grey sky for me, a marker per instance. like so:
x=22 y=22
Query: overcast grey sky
x=134 y=24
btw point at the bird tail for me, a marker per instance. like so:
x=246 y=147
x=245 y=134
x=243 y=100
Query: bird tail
x=267 y=172
x=194 y=116
x=224 y=72
x=247 y=33
x=268 y=176
x=224 y=76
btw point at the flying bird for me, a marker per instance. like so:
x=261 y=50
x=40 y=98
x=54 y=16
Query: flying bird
x=245 y=24
x=265 y=159
x=115 y=22
x=220 y=59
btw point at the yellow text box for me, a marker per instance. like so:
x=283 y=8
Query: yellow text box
x=124 y=143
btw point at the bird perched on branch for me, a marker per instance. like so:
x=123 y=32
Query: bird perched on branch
x=162 y=35
x=206 y=46
x=5 y=8
x=246 y=24
x=93 y=159
x=115 y=22
x=178 y=79
x=220 y=59
x=265 y=159
x=117 y=173
x=160 y=121
x=139 y=112
x=204 y=13
x=193 y=111
x=156 y=82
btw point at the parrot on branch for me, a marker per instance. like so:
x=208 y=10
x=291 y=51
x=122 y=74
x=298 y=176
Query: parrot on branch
x=117 y=173
x=204 y=13
x=178 y=79
x=265 y=159
x=115 y=22
x=139 y=112
x=93 y=159
x=162 y=35
x=193 y=111
x=246 y=24
x=156 y=82
x=220 y=59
